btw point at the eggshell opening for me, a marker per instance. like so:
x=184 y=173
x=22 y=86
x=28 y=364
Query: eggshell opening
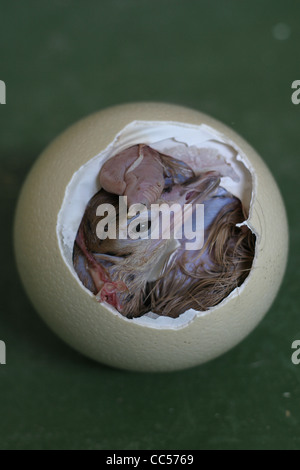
x=201 y=147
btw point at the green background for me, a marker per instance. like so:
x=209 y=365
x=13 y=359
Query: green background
x=62 y=60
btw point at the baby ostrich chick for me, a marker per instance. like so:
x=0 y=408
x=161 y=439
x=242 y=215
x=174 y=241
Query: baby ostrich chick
x=159 y=275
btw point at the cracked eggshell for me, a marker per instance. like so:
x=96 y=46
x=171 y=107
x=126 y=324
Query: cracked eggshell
x=93 y=328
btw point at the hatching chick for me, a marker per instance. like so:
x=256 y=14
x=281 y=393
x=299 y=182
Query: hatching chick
x=121 y=268
x=143 y=274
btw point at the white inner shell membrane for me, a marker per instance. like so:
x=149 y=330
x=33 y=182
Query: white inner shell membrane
x=201 y=147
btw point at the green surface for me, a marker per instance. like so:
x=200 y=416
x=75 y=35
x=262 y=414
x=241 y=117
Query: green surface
x=62 y=60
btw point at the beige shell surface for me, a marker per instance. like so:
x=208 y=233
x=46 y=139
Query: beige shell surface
x=92 y=328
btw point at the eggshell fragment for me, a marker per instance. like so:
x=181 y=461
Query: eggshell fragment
x=96 y=330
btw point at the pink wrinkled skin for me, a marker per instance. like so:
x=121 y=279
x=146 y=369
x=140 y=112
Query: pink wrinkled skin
x=143 y=184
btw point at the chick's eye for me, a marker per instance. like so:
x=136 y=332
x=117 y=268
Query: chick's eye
x=143 y=227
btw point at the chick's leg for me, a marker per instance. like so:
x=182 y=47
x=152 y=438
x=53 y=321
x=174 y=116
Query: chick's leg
x=107 y=289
